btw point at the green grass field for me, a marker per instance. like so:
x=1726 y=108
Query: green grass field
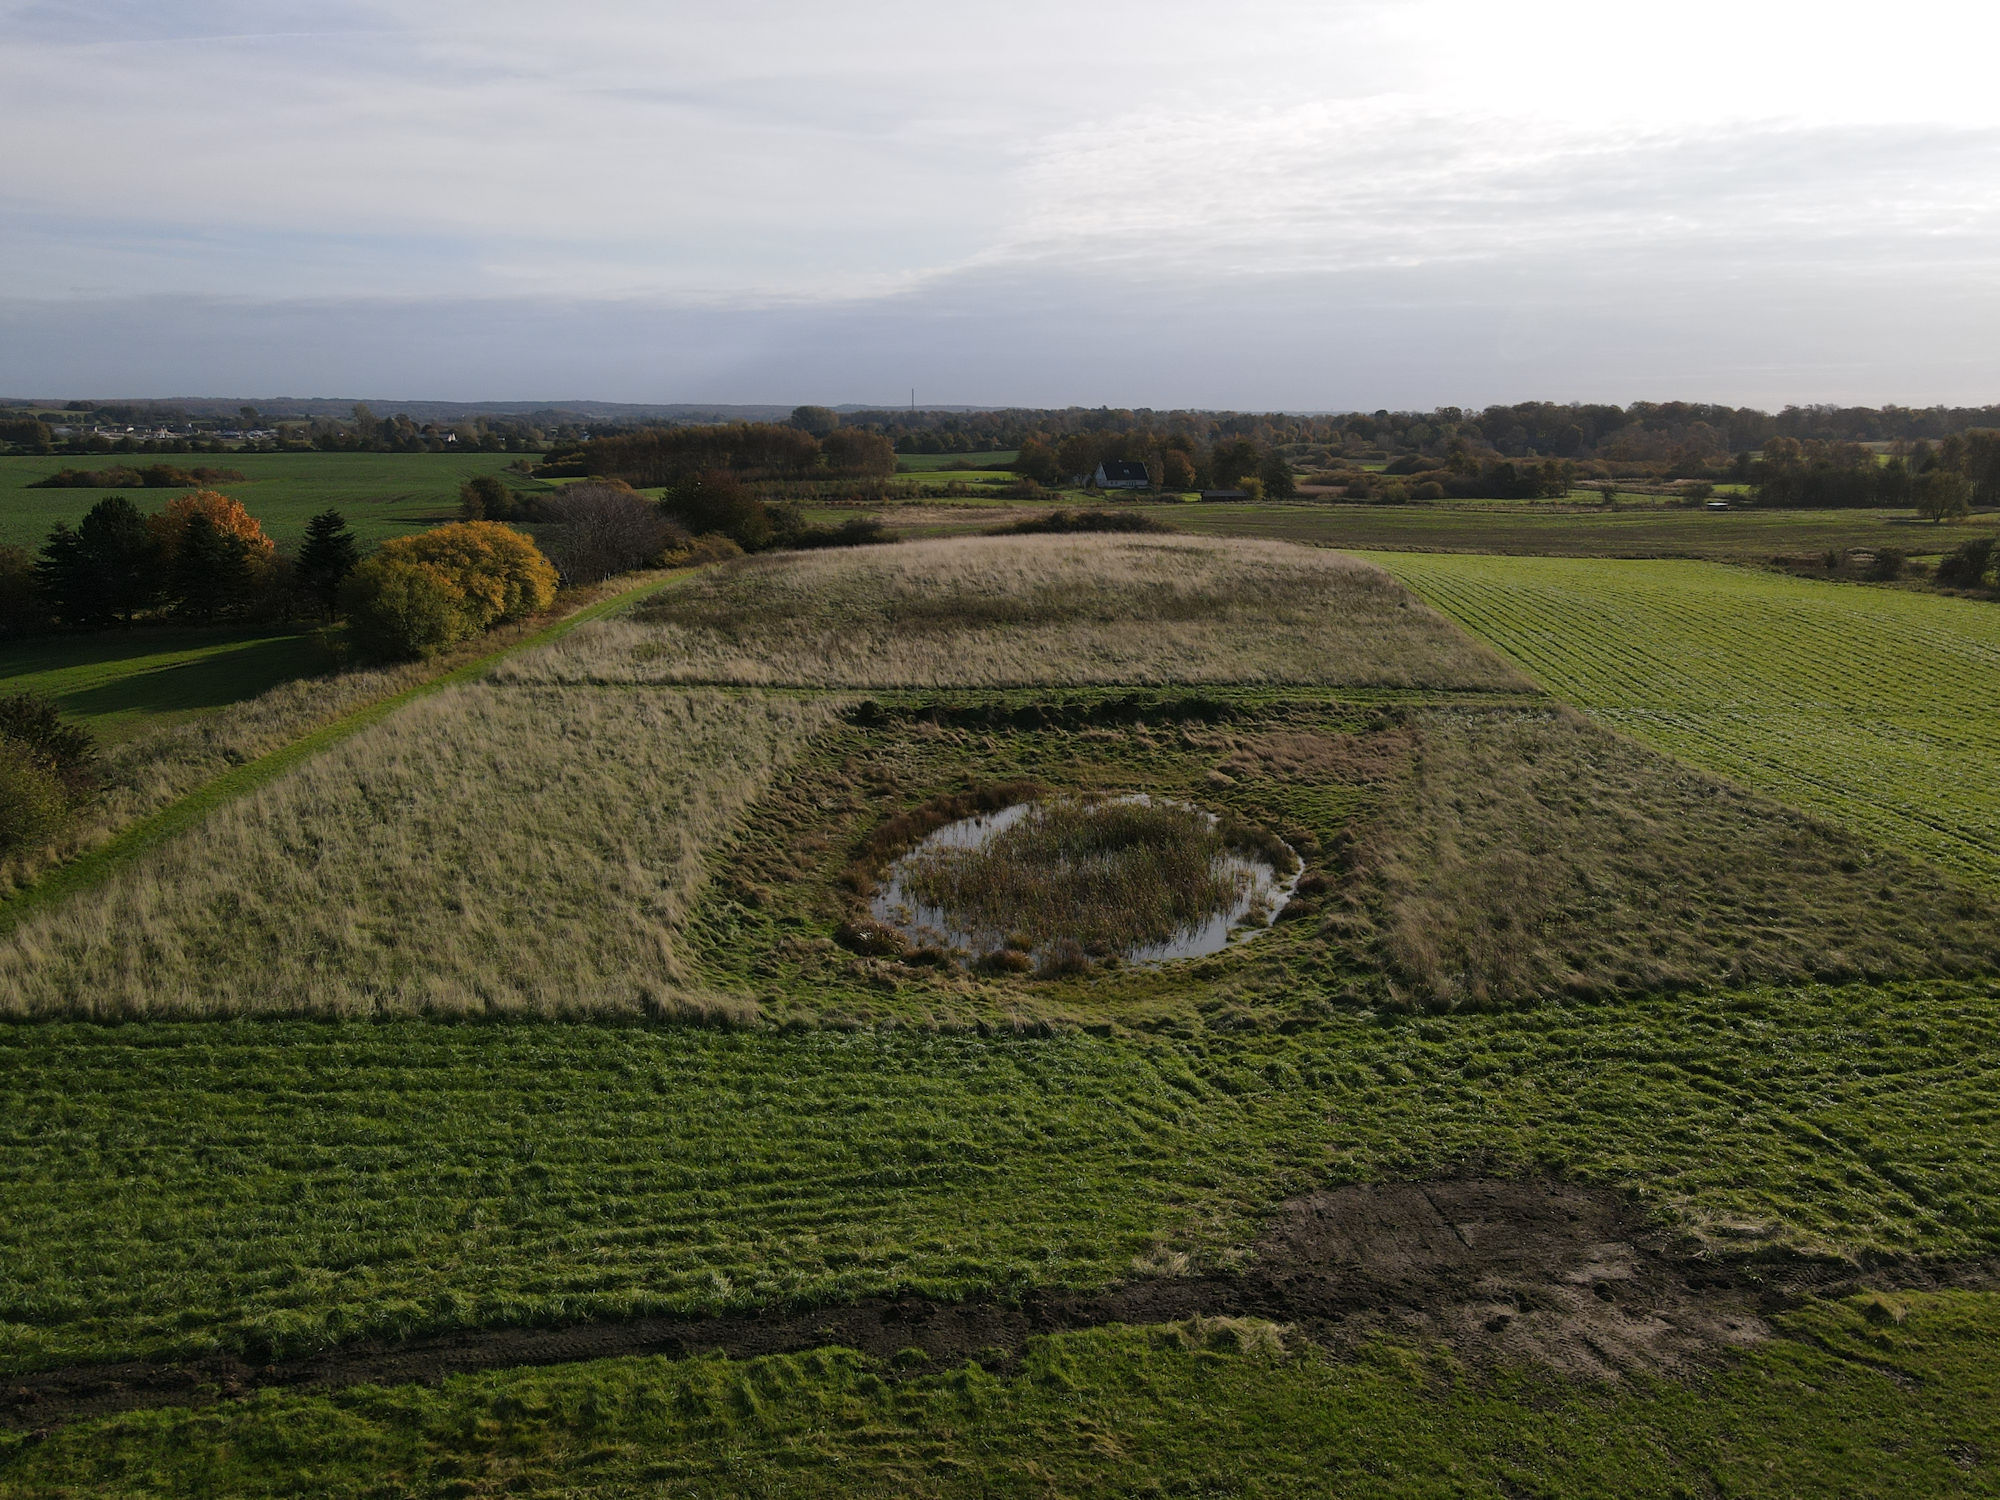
x=406 y=1043
x=1870 y=705
x=269 y=1186
x=122 y=684
x=1844 y=1405
x=1738 y=535
x=994 y=461
x=381 y=494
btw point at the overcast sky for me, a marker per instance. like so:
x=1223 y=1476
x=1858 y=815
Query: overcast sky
x=1271 y=203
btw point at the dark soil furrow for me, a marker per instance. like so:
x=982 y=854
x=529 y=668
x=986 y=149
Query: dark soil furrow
x=1540 y=1272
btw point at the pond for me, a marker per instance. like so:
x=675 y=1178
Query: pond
x=1070 y=883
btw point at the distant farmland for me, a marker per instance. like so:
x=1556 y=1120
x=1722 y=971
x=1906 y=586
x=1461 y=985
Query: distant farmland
x=381 y=494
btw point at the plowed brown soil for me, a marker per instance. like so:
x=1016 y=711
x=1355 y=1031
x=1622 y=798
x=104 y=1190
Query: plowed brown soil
x=1542 y=1272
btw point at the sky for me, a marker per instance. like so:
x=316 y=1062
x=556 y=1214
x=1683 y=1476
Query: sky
x=1296 y=204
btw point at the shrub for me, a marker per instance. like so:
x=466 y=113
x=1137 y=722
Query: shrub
x=1964 y=567
x=30 y=725
x=715 y=501
x=601 y=529
x=152 y=477
x=485 y=497
x=699 y=552
x=1066 y=521
x=32 y=805
x=500 y=572
x=1429 y=490
x=860 y=531
x=399 y=606
x=419 y=594
x=1887 y=564
x=21 y=607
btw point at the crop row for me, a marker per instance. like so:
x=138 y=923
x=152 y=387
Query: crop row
x=1872 y=706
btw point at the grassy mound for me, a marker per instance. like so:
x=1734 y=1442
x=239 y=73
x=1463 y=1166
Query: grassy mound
x=1034 y=610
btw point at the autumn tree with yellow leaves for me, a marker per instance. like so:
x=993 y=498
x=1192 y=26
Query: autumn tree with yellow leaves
x=419 y=594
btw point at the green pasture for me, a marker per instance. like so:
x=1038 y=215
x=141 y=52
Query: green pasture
x=381 y=494
x=1555 y=531
x=1846 y=1402
x=1869 y=704
x=994 y=460
x=174 y=1187
x=124 y=683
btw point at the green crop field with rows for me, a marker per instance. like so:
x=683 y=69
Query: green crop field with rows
x=1871 y=705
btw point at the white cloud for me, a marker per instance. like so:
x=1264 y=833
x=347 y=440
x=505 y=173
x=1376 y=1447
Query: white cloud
x=784 y=155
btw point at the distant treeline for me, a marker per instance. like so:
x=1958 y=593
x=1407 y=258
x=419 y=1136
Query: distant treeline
x=1940 y=480
x=1649 y=432
x=652 y=457
x=362 y=431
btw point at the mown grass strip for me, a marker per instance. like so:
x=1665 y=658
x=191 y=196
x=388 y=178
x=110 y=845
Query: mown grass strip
x=150 y=832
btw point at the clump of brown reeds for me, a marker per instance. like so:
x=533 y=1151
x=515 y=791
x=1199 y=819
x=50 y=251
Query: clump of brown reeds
x=1083 y=878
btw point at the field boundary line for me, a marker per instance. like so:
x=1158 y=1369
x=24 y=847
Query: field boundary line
x=183 y=812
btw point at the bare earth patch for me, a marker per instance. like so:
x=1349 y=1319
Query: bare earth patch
x=1500 y=1272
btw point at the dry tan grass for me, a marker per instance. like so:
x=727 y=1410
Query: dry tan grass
x=141 y=776
x=485 y=850
x=1533 y=854
x=1023 y=611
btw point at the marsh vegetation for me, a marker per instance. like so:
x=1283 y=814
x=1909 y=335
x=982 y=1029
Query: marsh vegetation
x=1070 y=882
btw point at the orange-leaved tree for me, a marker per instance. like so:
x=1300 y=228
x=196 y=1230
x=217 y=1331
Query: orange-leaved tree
x=228 y=517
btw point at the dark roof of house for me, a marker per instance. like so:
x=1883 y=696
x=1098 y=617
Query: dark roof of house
x=1117 y=470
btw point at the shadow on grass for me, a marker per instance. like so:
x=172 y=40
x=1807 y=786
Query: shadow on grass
x=181 y=686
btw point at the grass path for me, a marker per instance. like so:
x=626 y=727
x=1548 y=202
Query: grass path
x=1872 y=706
x=149 y=832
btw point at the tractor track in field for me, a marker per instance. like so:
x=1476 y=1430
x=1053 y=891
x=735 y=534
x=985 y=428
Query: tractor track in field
x=1537 y=1272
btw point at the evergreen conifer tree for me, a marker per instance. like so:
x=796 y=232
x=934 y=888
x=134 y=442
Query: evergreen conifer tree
x=325 y=558
x=211 y=571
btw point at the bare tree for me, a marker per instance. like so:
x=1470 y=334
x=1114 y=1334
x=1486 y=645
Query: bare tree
x=596 y=530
